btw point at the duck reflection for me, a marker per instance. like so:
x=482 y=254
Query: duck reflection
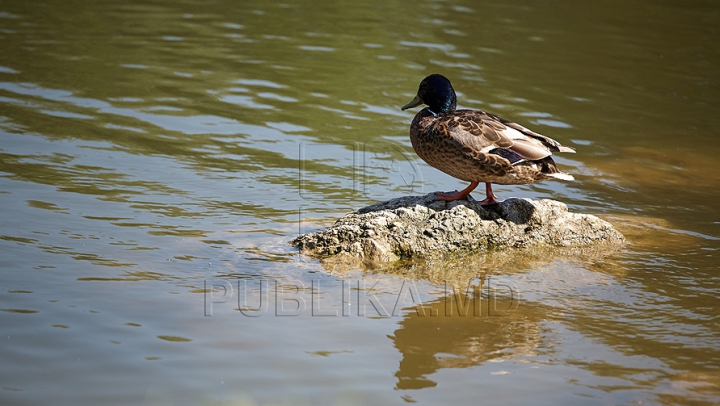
x=463 y=328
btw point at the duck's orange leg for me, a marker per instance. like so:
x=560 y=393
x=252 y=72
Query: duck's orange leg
x=491 y=198
x=461 y=195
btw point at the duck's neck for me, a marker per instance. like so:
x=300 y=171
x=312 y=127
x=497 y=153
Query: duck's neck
x=445 y=104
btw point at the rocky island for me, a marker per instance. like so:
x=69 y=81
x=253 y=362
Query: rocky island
x=421 y=227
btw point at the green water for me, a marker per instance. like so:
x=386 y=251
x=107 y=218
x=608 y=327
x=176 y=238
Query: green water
x=157 y=157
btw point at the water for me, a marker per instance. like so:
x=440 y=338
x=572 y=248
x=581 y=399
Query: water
x=156 y=158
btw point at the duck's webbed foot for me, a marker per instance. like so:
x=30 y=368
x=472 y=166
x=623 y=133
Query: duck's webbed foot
x=491 y=198
x=452 y=196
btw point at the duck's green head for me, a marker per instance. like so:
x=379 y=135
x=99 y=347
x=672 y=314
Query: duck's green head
x=437 y=92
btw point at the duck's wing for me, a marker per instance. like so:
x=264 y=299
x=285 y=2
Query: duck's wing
x=488 y=133
x=477 y=132
x=470 y=128
x=548 y=142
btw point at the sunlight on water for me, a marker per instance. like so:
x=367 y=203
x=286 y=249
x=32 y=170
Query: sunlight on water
x=157 y=158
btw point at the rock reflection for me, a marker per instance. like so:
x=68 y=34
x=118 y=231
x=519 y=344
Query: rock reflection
x=460 y=269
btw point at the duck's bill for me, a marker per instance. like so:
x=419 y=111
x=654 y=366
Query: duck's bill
x=414 y=103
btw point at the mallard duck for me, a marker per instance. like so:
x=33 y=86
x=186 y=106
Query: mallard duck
x=476 y=146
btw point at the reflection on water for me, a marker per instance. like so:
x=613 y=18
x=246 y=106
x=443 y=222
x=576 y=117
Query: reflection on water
x=146 y=148
x=458 y=331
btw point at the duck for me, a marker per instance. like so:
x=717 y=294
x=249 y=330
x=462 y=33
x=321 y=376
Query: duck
x=476 y=146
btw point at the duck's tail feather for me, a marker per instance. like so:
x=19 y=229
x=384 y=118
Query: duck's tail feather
x=560 y=175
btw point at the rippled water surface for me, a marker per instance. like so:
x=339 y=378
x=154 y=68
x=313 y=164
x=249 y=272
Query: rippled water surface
x=156 y=158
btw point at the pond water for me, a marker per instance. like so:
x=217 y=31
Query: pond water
x=157 y=157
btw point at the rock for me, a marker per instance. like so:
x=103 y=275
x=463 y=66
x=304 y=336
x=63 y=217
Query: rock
x=420 y=227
